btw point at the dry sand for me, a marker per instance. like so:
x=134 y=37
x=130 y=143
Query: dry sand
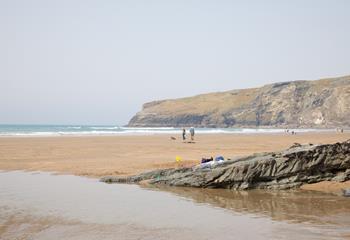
x=125 y=155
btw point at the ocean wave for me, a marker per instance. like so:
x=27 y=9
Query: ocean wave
x=75 y=127
x=148 y=131
x=4 y=134
x=149 y=128
x=103 y=128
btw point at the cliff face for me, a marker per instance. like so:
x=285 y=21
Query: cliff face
x=321 y=103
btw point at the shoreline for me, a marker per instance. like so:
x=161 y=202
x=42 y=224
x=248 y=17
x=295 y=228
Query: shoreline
x=328 y=187
x=167 y=131
x=97 y=156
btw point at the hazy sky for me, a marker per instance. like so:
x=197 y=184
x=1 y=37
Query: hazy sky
x=98 y=61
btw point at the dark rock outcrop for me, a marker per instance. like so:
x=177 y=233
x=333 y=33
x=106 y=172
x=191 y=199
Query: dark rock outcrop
x=279 y=170
x=322 y=104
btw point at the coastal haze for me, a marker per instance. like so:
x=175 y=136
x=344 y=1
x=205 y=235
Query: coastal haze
x=87 y=62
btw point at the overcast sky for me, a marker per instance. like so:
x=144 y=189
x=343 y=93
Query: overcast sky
x=98 y=61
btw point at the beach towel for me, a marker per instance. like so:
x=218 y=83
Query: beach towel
x=219 y=158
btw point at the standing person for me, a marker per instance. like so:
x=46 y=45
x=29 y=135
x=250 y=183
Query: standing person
x=192 y=133
x=183 y=134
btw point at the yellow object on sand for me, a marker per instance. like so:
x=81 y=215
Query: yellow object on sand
x=178 y=159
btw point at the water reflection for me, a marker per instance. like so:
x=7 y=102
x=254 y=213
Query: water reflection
x=296 y=206
x=43 y=206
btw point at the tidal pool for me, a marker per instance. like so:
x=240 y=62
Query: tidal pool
x=46 y=206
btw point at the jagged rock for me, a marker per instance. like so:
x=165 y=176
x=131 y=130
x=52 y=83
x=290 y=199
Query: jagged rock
x=295 y=145
x=323 y=103
x=278 y=170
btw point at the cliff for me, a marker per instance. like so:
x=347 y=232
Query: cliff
x=321 y=104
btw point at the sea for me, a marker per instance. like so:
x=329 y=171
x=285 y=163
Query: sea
x=93 y=130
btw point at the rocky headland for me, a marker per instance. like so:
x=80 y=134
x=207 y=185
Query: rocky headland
x=291 y=168
x=322 y=103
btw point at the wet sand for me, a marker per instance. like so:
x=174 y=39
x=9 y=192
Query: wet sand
x=82 y=208
x=327 y=186
x=96 y=156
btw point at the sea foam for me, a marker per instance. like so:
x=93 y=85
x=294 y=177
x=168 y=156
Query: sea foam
x=94 y=130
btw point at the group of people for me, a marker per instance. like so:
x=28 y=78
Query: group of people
x=339 y=130
x=291 y=132
x=191 y=133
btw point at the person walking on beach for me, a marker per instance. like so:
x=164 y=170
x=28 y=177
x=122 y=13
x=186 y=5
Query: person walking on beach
x=192 y=133
x=183 y=134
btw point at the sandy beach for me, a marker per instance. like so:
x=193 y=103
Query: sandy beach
x=126 y=155
x=96 y=156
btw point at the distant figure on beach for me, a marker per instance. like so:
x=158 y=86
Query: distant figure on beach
x=183 y=134
x=339 y=130
x=192 y=133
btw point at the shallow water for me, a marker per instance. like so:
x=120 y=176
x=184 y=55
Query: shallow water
x=45 y=206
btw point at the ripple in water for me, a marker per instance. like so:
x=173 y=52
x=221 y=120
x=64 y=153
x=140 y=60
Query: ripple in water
x=45 y=206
